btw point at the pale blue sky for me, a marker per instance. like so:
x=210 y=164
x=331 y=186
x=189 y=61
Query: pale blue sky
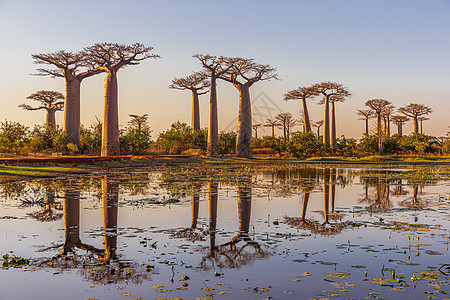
x=395 y=50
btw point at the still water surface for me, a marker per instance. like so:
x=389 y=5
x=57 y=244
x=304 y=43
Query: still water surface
x=292 y=232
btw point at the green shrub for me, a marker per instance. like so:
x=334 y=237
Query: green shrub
x=227 y=142
x=420 y=143
x=345 y=146
x=176 y=139
x=13 y=136
x=302 y=144
x=91 y=139
x=369 y=144
x=47 y=140
x=134 y=141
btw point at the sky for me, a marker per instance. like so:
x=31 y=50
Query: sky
x=394 y=50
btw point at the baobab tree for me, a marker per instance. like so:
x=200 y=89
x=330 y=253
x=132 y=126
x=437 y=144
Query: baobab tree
x=255 y=128
x=399 y=120
x=365 y=114
x=68 y=66
x=378 y=106
x=333 y=99
x=318 y=124
x=386 y=115
x=242 y=73
x=195 y=83
x=48 y=100
x=110 y=58
x=285 y=121
x=329 y=89
x=271 y=123
x=414 y=111
x=302 y=93
x=140 y=122
x=421 y=119
x=215 y=66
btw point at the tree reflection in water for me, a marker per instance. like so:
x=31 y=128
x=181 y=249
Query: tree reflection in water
x=241 y=250
x=379 y=197
x=193 y=233
x=415 y=201
x=99 y=265
x=332 y=222
x=47 y=214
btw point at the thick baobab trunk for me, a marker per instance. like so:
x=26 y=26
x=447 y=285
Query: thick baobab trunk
x=421 y=127
x=72 y=110
x=306 y=121
x=326 y=122
x=244 y=130
x=378 y=124
x=195 y=115
x=379 y=133
x=367 y=126
x=273 y=131
x=110 y=199
x=50 y=120
x=388 y=131
x=213 y=128
x=416 y=125
x=400 y=129
x=333 y=127
x=110 y=130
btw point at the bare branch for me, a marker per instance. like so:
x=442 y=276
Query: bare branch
x=197 y=81
x=241 y=70
x=365 y=113
x=399 y=119
x=377 y=105
x=300 y=94
x=415 y=110
x=115 y=56
x=47 y=99
x=29 y=107
x=328 y=89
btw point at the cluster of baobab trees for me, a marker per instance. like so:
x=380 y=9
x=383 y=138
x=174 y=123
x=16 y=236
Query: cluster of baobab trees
x=74 y=67
x=331 y=92
x=383 y=110
x=242 y=73
x=283 y=120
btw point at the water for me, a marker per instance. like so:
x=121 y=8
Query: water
x=286 y=232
